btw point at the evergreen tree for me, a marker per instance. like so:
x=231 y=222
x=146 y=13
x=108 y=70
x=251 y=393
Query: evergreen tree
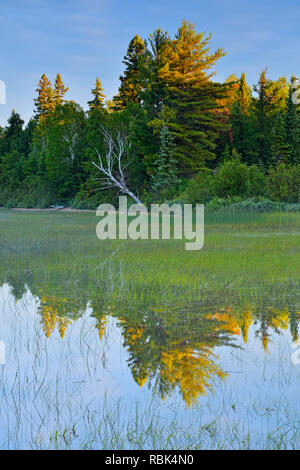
x=244 y=95
x=226 y=154
x=59 y=91
x=130 y=88
x=154 y=58
x=193 y=97
x=44 y=103
x=264 y=109
x=280 y=91
x=164 y=180
x=242 y=123
x=12 y=156
x=13 y=133
x=98 y=97
x=279 y=148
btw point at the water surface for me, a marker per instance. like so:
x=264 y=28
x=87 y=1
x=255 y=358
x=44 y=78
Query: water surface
x=123 y=344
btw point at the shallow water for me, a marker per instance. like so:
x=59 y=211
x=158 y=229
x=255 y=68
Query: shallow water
x=53 y=383
x=119 y=348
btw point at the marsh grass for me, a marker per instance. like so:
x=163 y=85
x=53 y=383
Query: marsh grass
x=51 y=393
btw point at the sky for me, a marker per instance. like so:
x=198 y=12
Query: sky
x=85 y=38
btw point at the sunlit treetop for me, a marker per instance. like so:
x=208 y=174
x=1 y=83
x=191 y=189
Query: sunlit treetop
x=98 y=97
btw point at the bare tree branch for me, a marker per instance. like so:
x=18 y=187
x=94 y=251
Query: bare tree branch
x=112 y=166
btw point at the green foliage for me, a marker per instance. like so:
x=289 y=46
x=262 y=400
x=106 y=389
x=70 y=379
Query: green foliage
x=280 y=150
x=98 y=97
x=235 y=178
x=256 y=181
x=257 y=204
x=164 y=180
x=130 y=88
x=200 y=189
x=193 y=97
x=64 y=132
x=188 y=136
x=283 y=183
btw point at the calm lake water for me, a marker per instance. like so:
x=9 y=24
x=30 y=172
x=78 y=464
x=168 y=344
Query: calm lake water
x=137 y=346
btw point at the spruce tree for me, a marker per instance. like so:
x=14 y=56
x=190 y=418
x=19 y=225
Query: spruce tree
x=130 y=88
x=226 y=154
x=164 y=180
x=244 y=95
x=12 y=158
x=59 y=91
x=264 y=109
x=153 y=91
x=44 y=103
x=98 y=97
x=241 y=119
x=12 y=138
x=280 y=150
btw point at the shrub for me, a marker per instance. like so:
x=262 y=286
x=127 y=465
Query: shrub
x=231 y=179
x=256 y=182
x=283 y=183
x=200 y=188
x=235 y=178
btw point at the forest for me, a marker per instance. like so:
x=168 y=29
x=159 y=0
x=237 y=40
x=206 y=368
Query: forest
x=185 y=136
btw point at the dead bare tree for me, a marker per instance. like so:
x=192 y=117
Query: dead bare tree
x=112 y=165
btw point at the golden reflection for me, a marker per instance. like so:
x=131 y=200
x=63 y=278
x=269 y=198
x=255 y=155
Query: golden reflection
x=51 y=317
x=168 y=351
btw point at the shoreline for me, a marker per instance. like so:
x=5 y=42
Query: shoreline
x=48 y=209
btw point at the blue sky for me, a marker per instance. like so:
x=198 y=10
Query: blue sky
x=85 y=38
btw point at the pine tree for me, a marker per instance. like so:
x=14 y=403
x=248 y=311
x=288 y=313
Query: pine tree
x=280 y=150
x=226 y=154
x=59 y=91
x=244 y=95
x=193 y=97
x=98 y=101
x=264 y=109
x=12 y=154
x=242 y=123
x=153 y=91
x=12 y=138
x=44 y=103
x=164 y=180
x=130 y=88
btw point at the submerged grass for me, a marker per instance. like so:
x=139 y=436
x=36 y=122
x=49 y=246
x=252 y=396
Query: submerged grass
x=165 y=300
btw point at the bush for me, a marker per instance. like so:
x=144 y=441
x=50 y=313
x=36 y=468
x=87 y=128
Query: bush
x=256 y=182
x=231 y=179
x=200 y=188
x=235 y=178
x=283 y=183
